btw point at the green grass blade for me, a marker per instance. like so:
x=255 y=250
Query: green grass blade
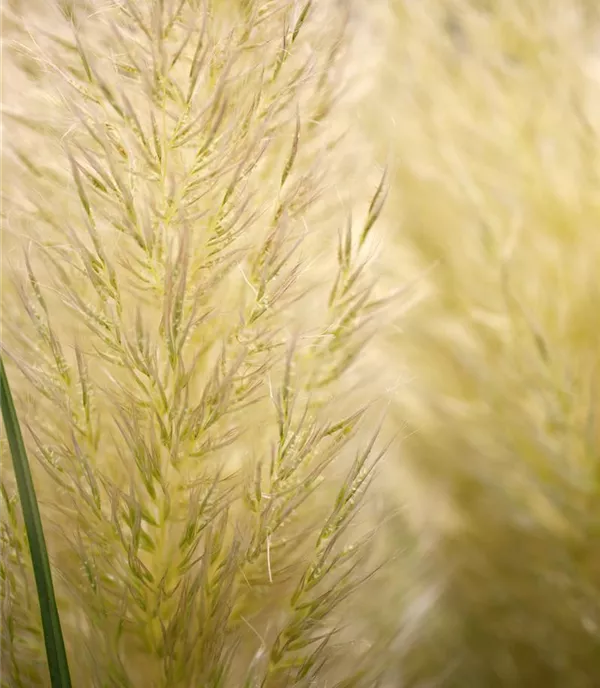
x=55 y=647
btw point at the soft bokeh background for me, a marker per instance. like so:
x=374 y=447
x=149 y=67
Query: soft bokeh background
x=490 y=112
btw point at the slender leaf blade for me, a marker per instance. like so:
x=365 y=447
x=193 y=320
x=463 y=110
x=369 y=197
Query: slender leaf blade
x=55 y=647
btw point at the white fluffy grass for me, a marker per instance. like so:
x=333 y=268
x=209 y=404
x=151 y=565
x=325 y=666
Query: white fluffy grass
x=487 y=113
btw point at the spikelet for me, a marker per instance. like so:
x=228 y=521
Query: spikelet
x=184 y=307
